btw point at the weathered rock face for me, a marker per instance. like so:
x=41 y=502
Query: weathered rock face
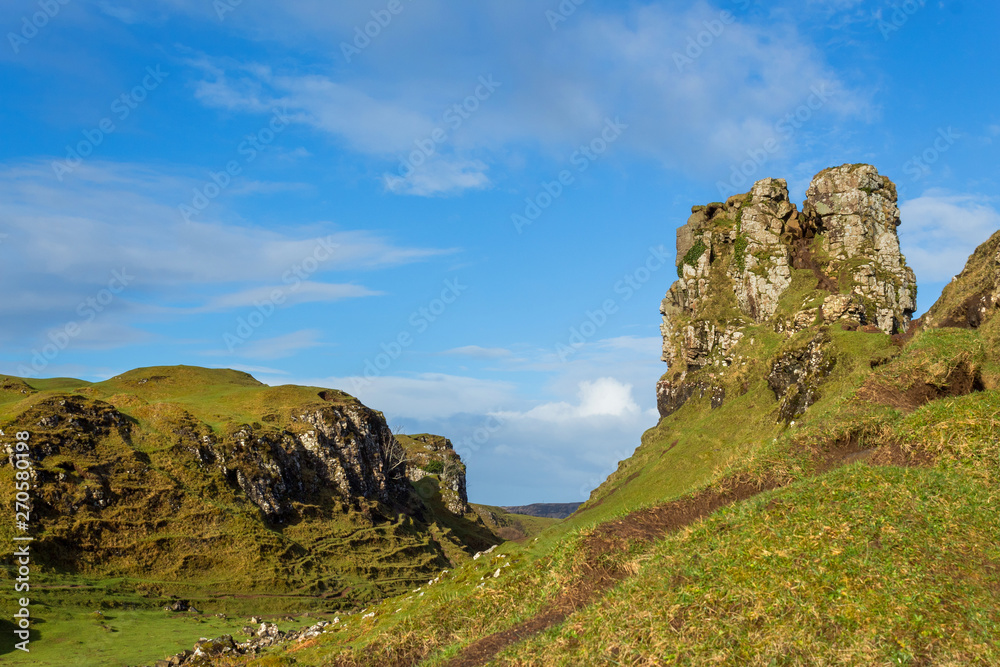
x=856 y=210
x=671 y=395
x=761 y=271
x=434 y=455
x=796 y=375
x=347 y=450
x=738 y=261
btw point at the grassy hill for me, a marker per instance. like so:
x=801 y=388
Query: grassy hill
x=826 y=496
x=861 y=532
x=208 y=486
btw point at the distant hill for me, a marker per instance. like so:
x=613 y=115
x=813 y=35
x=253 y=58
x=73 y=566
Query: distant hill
x=545 y=510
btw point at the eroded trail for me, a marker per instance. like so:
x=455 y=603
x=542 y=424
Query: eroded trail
x=652 y=524
x=645 y=526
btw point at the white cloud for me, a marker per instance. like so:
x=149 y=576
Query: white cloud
x=603 y=397
x=65 y=242
x=939 y=231
x=281 y=347
x=426 y=395
x=440 y=177
x=649 y=346
x=123 y=14
x=80 y=229
x=477 y=352
x=555 y=94
x=290 y=295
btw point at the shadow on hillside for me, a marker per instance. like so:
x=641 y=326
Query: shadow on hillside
x=473 y=534
x=7 y=638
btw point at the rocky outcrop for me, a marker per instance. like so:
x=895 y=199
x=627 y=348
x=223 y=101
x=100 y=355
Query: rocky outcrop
x=70 y=424
x=672 y=394
x=761 y=269
x=346 y=450
x=740 y=262
x=796 y=375
x=208 y=652
x=433 y=455
x=856 y=210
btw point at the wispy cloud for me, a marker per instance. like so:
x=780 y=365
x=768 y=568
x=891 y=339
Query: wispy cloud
x=557 y=91
x=477 y=352
x=940 y=230
x=281 y=347
x=64 y=241
x=302 y=292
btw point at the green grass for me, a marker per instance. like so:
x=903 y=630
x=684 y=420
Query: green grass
x=859 y=565
x=862 y=566
x=67 y=635
x=178 y=527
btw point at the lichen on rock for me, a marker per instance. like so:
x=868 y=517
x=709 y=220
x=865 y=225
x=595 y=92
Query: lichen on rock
x=737 y=262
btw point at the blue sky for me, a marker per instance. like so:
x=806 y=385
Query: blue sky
x=431 y=214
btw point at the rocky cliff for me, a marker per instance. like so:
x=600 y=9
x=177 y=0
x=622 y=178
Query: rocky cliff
x=757 y=260
x=434 y=456
x=180 y=472
x=345 y=450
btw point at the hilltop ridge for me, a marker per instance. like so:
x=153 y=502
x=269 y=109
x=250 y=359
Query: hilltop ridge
x=187 y=474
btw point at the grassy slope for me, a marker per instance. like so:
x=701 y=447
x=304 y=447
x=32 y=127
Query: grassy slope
x=856 y=565
x=863 y=566
x=179 y=529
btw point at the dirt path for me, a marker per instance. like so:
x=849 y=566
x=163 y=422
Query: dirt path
x=652 y=524
x=646 y=526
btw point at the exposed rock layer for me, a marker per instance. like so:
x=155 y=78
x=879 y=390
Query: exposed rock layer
x=429 y=455
x=756 y=260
